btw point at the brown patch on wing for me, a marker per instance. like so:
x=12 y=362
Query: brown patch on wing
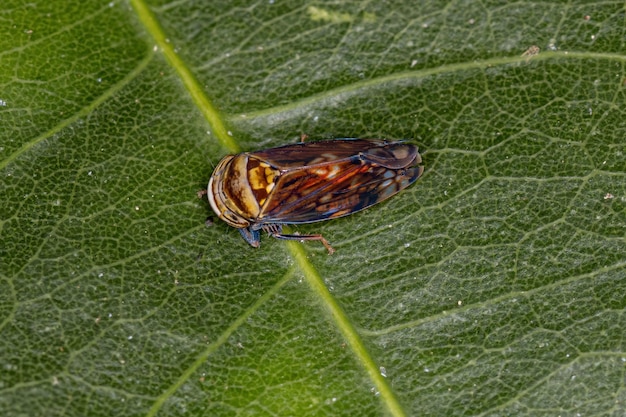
x=337 y=189
x=312 y=153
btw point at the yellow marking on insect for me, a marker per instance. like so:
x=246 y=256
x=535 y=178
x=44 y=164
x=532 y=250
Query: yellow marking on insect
x=261 y=177
x=240 y=189
x=328 y=172
x=270 y=177
x=325 y=157
x=326 y=198
x=334 y=170
x=321 y=172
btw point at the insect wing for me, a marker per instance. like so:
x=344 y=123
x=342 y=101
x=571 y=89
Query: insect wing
x=338 y=186
x=312 y=153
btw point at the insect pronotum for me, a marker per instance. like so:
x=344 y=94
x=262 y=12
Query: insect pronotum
x=308 y=182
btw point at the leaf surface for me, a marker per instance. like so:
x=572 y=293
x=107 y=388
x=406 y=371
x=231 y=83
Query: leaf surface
x=496 y=285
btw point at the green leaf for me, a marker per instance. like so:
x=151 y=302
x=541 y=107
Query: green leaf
x=494 y=286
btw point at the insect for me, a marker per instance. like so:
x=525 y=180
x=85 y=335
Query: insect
x=308 y=182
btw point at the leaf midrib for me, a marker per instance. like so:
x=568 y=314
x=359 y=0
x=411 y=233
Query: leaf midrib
x=310 y=272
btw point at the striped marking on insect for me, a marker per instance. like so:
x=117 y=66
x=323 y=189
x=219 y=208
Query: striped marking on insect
x=308 y=182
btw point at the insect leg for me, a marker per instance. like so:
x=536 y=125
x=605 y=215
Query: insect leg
x=276 y=231
x=253 y=237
